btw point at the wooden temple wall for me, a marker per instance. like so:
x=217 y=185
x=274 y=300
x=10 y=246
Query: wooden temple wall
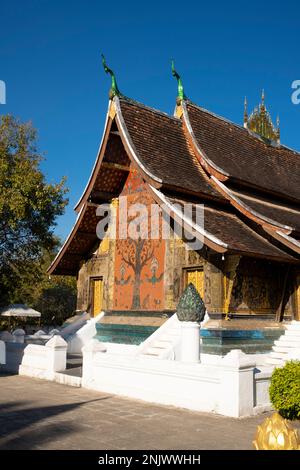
x=99 y=266
x=258 y=287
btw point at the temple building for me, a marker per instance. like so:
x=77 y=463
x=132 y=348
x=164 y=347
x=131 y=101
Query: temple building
x=247 y=266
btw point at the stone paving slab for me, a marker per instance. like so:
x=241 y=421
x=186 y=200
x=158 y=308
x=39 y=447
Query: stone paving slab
x=36 y=414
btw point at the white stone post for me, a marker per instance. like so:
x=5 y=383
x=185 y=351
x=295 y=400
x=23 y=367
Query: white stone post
x=19 y=335
x=6 y=336
x=190 y=341
x=88 y=351
x=56 y=354
x=237 y=384
x=2 y=353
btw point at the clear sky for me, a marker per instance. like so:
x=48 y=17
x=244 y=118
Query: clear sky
x=224 y=50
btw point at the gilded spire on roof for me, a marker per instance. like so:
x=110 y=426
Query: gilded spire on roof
x=245 y=112
x=260 y=121
x=114 y=90
x=181 y=96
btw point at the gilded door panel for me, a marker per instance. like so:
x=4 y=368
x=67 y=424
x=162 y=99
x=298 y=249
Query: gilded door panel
x=196 y=277
x=97 y=296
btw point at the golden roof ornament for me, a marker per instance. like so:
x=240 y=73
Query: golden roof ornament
x=245 y=112
x=260 y=122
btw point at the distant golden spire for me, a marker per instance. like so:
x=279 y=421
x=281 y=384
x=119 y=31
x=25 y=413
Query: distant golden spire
x=278 y=129
x=245 y=112
x=260 y=121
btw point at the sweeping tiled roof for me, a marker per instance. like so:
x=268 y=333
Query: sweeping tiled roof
x=282 y=213
x=263 y=179
x=239 y=237
x=244 y=157
x=162 y=148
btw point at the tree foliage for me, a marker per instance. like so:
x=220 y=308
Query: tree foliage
x=28 y=209
x=285 y=390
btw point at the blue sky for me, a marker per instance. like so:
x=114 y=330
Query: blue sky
x=50 y=62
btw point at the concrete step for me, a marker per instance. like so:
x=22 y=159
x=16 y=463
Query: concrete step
x=162 y=344
x=150 y=354
x=274 y=362
x=155 y=350
x=293 y=326
x=293 y=333
x=66 y=379
x=277 y=355
x=287 y=344
x=282 y=349
x=167 y=337
x=291 y=338
x=174 y=331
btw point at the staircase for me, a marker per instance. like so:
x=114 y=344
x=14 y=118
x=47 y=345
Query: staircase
x=287 y=346
x=164 y=342
x=82 y=335
x=73 y=374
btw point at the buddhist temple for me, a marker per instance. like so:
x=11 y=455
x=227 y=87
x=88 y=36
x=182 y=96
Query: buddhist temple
x=247 y=266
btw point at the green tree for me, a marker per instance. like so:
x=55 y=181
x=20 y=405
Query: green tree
x=28 y=209
x=53 y=296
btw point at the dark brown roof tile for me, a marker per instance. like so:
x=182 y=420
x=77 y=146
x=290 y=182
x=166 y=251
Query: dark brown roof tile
x=245 y=157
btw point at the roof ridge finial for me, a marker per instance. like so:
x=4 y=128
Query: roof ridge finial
x=181 y=96
x=114 y=90
x=245 y=112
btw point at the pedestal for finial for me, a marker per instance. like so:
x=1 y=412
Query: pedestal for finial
x=190 y=341
x=190 y=312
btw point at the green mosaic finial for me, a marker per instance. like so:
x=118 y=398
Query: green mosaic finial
x=114 y=90
x=181 y=96
x=191 y=307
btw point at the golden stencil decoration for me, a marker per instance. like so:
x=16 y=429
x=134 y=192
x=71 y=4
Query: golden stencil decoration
x=196 y=277
x=104 y=245
x=276 y=433
x=178 y=111
x=112 y=111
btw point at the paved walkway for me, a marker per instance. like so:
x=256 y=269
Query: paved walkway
x=35 y=414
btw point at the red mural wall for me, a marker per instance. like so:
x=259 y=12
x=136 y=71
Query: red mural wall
x=139 y=261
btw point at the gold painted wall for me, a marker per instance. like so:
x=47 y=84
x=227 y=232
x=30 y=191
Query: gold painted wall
x=257 y=286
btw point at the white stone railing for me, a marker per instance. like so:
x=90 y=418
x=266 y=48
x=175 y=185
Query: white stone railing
x=81 y=337
x=2 y=352
x=44 y=361
x=226 y=387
